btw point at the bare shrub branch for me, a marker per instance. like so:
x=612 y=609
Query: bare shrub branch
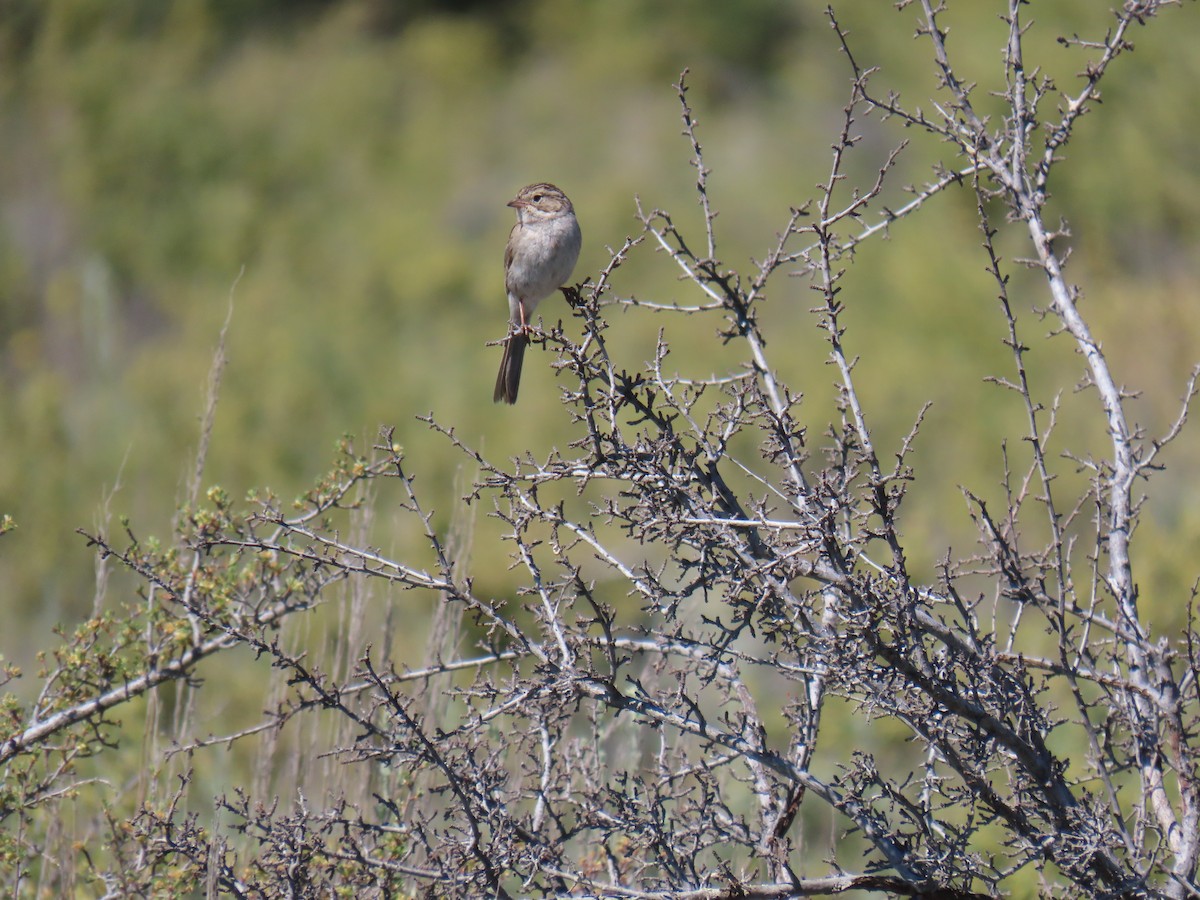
x=722 y=673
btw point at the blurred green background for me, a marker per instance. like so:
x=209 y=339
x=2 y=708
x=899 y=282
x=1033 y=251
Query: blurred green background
x=352 y=160
x=346 y=164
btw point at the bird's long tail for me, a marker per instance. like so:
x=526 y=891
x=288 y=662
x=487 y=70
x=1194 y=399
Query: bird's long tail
x=509 y=378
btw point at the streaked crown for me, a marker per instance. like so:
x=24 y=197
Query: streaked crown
x=544 y=198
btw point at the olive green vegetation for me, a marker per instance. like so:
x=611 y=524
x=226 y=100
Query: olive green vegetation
x=356 y=170
x=340 y=171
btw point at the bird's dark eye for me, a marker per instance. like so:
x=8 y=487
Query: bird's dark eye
x=537 y=197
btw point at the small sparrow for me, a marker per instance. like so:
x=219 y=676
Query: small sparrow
x=541 y=253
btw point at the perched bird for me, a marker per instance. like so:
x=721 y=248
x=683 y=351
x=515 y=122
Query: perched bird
x=541 y=253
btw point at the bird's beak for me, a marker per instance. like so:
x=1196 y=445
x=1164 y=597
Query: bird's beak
x=518 y=203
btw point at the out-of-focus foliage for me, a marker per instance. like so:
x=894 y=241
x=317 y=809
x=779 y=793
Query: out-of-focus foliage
x=340 y=170
x=352 y=160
